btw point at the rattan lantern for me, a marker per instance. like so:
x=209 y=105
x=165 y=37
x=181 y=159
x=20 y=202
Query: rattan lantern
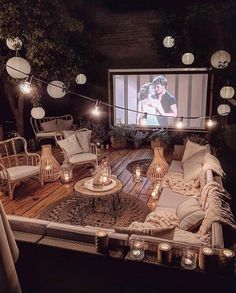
x=50 y=168
x=159 y=166
x=66 y=172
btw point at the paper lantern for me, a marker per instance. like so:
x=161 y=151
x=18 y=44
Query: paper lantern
x=81 y=79
x=187 y=58
x=227 y=92
x=37 y=112
x=168 y=42
x=56 y=89
x=20 y=64
x=14 y=43
x=220 y=59
x=223 y=109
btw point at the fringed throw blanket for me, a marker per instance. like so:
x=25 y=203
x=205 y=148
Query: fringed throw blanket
x=161 y=221
x=176 y=182
x=214 y=201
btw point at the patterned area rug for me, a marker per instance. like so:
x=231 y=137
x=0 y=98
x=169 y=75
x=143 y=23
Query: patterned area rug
x=64 y=211
x=145 y=163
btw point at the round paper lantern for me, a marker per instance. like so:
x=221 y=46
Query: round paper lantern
x=168 y=42
x=220 y=59
x=20 y=64
x=227 y=92
x=37 y=112
x=81 y=79
x=56 y=89
x=187 y=58
x=223 y=109
x=14 y=43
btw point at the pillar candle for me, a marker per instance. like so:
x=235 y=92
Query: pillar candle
x=101 y=242
x=164 y=254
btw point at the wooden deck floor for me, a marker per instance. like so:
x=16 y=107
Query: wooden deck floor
x=30 y=198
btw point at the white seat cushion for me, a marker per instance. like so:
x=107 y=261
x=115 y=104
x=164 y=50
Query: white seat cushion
x=19 y=172
x=45 y=134
x=170 y=198
x=78 y=158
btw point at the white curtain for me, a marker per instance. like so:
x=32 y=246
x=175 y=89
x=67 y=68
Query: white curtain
x=9 y=253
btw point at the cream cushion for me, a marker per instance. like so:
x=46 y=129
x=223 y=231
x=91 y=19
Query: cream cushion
x=19 y=172
x=192 y=166
x=83 y=138
x=70 y=145
x=82 y=157
x=190 y=214
x=49 y=125
x=192 y=148
x=63 y=124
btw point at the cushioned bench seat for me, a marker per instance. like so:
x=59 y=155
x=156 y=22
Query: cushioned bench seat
x=171 y=199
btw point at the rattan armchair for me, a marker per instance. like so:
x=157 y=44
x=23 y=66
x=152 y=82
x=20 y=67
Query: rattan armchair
x=17 y=164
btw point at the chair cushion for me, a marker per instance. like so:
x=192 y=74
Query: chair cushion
x=192 y=166
x=190 y=214
x=176 y=166
x=83 y=137
x=70 y=145
x=19 y=172
x=170 y=198
x=83 y=157
x=63 y=124
x=45 y=134
x=49 y=125
x=192 y=148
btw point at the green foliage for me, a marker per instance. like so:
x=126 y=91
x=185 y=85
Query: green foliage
x=136 y=135
x=53 y=40
x=162 y=134
x=119 y=131
x=98 y=131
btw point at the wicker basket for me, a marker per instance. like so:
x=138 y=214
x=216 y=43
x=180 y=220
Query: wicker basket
x=50 y=168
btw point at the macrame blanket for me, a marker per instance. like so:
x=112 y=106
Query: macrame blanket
x=176 y=182
x=160 y=220
x=214 y=200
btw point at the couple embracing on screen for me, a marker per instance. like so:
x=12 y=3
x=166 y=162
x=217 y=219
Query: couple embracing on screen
x=157 y=102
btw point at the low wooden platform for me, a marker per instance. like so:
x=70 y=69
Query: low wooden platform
x=30 y=198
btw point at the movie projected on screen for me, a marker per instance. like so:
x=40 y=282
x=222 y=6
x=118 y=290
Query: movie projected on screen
x=162 y=95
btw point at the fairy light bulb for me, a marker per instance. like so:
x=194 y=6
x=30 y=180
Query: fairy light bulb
x=25 y=87
x=96 y=109
x=143 y=120
x=179 y=124
x=210 y=123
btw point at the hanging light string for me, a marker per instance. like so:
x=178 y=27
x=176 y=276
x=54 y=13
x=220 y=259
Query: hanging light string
x=104 y=103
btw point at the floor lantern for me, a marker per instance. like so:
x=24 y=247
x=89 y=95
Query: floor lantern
x=159 y=166
x=50 y=168
x=66 y=172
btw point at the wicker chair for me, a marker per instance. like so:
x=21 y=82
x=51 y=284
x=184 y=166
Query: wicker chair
x=17 y=164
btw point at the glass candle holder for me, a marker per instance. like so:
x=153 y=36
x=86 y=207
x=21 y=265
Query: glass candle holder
x=137 y=248
x=66 y=172
x=189 y=259
x=138 y=173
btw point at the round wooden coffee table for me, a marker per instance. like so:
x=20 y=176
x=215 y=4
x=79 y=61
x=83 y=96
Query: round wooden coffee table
x=88 y=200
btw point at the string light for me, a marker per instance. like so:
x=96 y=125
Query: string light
x=96 y=110
x=25 y=86
x=179 y=124
x=210 y=123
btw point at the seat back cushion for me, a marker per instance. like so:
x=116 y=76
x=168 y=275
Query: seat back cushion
x=70 y=145
x=83 y=138
x=190 y=214
x=63 y=124
x=192 y=148
x=49 y=125
x=192 y=166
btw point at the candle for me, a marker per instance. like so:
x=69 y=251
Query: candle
x=138 y=174
x=158 y=169
x=207 y=259
x=188 y=260
x=137 y=249
x=154 y=195
x=101 y=242
x=227 y=259
x=107 y=146
x=207 y=250
x=165 y=246
x=104 y=179
x=164 y=253
x=98 y=144
x=228 y=253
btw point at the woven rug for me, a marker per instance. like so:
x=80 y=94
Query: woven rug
x=145 y=163
x=64 y=211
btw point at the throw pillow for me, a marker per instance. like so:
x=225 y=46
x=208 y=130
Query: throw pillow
x=70 y=145
x=63 y=124
x=68 y=133
x=190 y=214
x=83 y=137
x=49 y=126
x=192 y=166
x=192 y=148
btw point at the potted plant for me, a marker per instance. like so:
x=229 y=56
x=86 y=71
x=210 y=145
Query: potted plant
x=119 y=135
x=136 y=136
x=160 y=138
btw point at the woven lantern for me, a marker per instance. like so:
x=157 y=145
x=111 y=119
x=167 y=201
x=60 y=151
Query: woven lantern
x=220 y=59
x=223 y=109
x=159 y=166
x=227 y=92
x=50 y=168
x=66 y=172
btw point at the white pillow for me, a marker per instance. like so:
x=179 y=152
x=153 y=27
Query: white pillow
x=192 y=166
x=70 y=145
x=192 y=148
x=83 y=138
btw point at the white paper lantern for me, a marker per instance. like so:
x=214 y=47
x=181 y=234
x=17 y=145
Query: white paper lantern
x=37 y=112
x=223 y=109
x=187 y=58
x=220 y=59
x=227 y=92
x=14 y=44
x=20 y=64
x=168 y=42
x=81 y=79
x=56 y=89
